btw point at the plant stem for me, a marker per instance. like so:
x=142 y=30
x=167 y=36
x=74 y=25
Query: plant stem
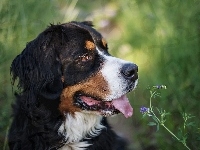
x=152 y=94
x=175 y=136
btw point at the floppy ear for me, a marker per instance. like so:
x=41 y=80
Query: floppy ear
x=38 y=67
x=87 y=25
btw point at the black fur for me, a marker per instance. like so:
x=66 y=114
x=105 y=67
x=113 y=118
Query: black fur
x=39 y=69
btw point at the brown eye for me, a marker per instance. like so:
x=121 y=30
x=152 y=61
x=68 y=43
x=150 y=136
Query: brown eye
x=85 y=58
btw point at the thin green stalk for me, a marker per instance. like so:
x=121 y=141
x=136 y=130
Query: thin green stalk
x=152 y=94
x=170 y=132
x=156 y=116
x=175 y=136
x=162 y=124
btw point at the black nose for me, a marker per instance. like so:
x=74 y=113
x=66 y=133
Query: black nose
x=130 y=71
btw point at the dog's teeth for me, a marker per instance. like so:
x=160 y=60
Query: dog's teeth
x=77 y=104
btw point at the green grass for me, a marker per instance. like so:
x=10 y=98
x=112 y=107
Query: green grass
x=21 y=21
x=162 y=37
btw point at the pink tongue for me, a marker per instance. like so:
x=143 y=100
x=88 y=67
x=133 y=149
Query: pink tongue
x=123 y=105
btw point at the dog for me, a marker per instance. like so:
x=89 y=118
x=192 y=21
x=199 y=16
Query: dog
x=68 y=84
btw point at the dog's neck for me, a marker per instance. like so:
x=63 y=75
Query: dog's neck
x=79 y=126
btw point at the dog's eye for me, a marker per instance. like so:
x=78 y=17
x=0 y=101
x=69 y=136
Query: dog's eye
x=85 y=57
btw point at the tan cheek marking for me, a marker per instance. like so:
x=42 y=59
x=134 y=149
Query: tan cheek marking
x=89 y=45
x=104 y=42
x=66 y=104
x=96 y=86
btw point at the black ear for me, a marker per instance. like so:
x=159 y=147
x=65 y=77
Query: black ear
x=38 y=67
x=86 y=25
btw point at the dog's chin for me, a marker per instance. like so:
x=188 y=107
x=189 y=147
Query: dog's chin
x=98 y=106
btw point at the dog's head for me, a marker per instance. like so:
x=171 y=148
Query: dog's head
x=71 y=61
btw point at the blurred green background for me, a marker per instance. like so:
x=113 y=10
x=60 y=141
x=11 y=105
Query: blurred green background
x=162 y=37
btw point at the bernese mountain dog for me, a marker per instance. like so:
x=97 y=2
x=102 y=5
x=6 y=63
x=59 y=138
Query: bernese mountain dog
x=67 y=84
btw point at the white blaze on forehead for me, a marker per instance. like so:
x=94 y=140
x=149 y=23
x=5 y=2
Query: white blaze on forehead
x=111 y=73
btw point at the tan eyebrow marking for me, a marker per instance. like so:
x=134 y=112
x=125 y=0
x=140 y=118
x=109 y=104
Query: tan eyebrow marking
x=104 y=42
x=89 y=45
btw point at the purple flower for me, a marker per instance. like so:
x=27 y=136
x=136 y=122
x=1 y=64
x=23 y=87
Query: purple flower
x=144 y=109
x=160 y=86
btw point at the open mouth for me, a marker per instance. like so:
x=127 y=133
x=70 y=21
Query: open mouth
x=104 y=108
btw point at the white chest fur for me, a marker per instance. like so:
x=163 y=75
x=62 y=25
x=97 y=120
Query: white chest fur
x=77 y=127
